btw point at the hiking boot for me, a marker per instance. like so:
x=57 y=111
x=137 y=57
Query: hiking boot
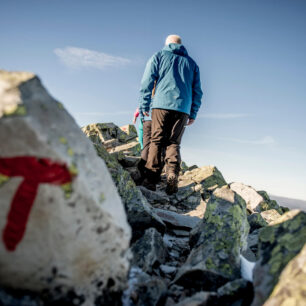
x=172 y=181
x=149 y=185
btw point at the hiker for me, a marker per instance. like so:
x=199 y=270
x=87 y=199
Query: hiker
x=144 y=126
x=140 y=127
x=175 y=104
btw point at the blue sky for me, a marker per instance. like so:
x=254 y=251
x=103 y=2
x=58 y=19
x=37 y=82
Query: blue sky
x=91 y=55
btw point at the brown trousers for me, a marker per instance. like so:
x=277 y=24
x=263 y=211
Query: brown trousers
x=167 y=130
x=146 y=139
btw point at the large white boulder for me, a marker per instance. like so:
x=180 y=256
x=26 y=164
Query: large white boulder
x=62 y=222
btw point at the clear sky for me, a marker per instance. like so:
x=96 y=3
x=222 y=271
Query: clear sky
x=252 y=57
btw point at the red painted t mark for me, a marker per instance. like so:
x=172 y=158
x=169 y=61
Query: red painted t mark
x=34 y=171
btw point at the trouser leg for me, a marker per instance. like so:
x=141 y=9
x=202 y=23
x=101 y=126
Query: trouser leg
x=146 y=139
x=173 y=156
x=158 y=139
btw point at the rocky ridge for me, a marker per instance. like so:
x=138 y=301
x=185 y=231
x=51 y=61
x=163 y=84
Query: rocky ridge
x=189 y=248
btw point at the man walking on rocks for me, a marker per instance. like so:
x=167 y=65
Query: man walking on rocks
x=176 y=102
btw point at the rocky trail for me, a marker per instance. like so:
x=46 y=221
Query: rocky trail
x=88 y=234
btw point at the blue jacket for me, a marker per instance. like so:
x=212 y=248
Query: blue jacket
x=177 y=77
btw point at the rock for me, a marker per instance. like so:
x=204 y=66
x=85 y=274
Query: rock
x=199 y=299
x=256 y=201
x=208 y=176
x=103 y=132
x=249 y=255
x=155 y=197
x=185 y=189
x=270 y=204
x=290 y=289
x=19 y=298
x=175 y=293
x=180 y=233
x=129 y=161
x=139 y=212
x=287 y=216
x=192 y=202
x=130 y=130
x=215 y=257
x=131 y=148
x=250 y=195
x=167 y=270
x=176 y=220
x=270 y=215
x=135 y=175
x=144 y=289
x=278 y=245
x=238 y=290
x=256 y=221
x=198 y=211
x=253 y=241
x=64 y=227
x=149 y=251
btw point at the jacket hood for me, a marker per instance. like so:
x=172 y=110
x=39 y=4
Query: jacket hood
x=176 y=48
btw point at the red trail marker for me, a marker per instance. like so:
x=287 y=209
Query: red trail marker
x=34 y=171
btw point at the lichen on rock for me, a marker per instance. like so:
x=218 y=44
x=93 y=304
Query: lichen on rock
x=221 y=236
x=279 y=243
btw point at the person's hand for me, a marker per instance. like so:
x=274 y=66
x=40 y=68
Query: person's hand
x=146 y=114
x=134 y=121
x=190 y=121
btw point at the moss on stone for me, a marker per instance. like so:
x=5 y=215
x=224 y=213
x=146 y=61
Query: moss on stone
x=60 y=105
x=73 y=169
x=67 y=188
x=3 y=179
x=15 y=110
x=267 y=234
x=63 y=140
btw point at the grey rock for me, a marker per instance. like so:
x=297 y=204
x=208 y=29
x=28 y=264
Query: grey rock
x=144 y=289
x=252 y=198
x=279 y=243
x=176 y=220
x=238 y=290
x=256 y=221
x=199 y=299
x=253 y=241
x=215 y=257
x=180 y=233
x=73 y=220
x=149 y=251
x=168 y=269
x=129 y=161
x=291 y=284
x=139 y=212
x=155 y=197
x=19 y=298
x=270 y=215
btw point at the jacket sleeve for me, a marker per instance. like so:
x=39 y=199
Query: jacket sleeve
x=147 y=83
x=196 y=94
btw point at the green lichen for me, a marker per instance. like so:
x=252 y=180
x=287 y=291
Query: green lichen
x=226 y=269
x=63 y=140
x=210 y=264
x=70 y=152
x=67 y=188
x=267 y=234
x=102 y=198
x=73 y=169
x=3 y=179
x=16 y=110
x=60 y=105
